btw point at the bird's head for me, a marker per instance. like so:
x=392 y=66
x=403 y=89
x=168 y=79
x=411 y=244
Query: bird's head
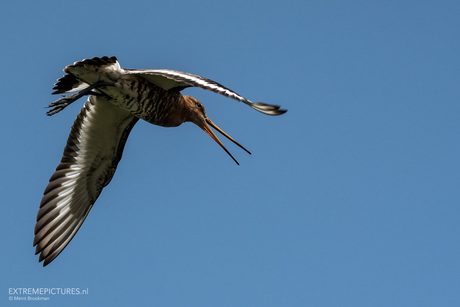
x=197 y=115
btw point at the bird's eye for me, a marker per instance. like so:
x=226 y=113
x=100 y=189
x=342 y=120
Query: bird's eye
x=199 y=105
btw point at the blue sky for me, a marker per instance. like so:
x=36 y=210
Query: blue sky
x=349 y=199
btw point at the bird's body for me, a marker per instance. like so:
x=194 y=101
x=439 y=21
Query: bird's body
x=131 y=92
x=118 y=99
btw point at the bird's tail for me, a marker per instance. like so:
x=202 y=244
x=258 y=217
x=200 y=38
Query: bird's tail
x=81 y=77
x=71 y=82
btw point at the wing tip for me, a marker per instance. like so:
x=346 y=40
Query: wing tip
x=268 y=109
x=39 y=250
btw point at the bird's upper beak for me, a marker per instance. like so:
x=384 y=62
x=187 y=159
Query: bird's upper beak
x=205 y=126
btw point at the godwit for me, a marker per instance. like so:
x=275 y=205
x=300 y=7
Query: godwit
x=118 y=98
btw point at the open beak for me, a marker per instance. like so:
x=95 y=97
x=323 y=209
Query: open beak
x=207 y=129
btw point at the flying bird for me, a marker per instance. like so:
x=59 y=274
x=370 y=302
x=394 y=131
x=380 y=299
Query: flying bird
x=118 y=98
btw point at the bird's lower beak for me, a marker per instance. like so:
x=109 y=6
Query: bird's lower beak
x=205 y=126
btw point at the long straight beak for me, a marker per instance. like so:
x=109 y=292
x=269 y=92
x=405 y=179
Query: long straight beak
x=208 y=130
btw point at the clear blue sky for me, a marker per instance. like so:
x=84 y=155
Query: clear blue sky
x=350 y=199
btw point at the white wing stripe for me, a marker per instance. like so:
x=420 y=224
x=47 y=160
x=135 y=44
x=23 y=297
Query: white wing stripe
x=192 y=80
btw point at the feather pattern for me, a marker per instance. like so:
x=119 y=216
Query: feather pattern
x=90 y=158
x=169 y=79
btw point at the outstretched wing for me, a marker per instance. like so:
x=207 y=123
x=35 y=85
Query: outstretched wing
x=168 y=79
x=90 y=158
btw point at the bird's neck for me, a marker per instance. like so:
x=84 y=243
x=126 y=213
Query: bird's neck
x=172 y=112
